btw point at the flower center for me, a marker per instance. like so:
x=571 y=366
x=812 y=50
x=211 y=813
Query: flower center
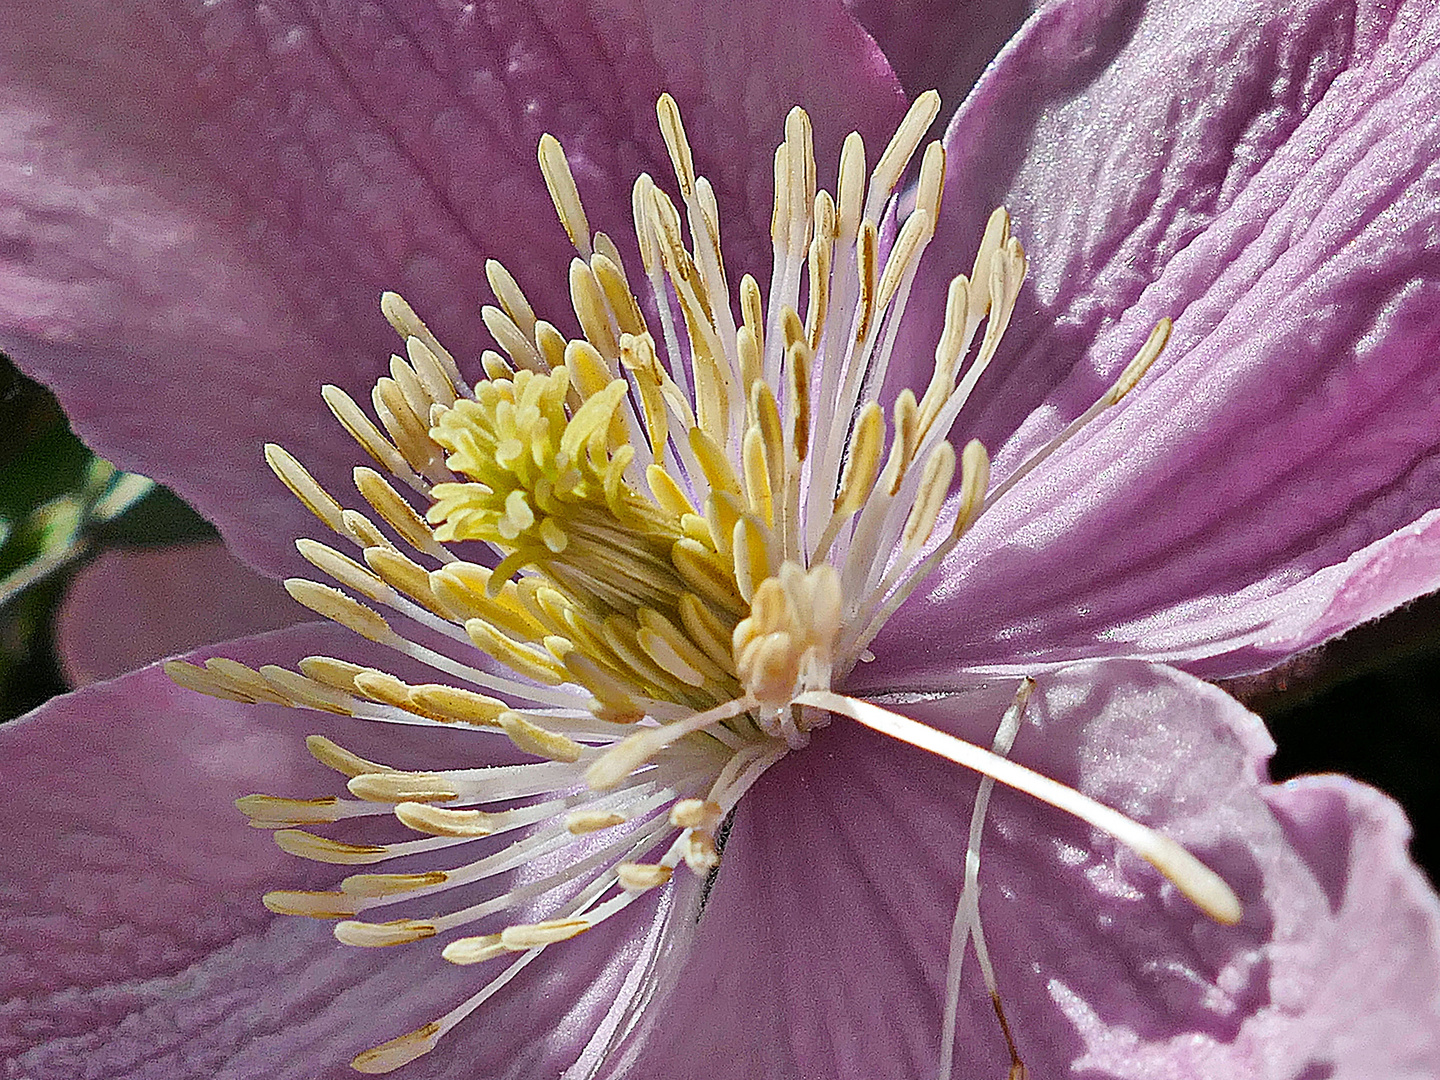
x=698 y=523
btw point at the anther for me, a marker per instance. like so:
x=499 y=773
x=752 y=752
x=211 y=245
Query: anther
x=556 y=171
x=637 y=877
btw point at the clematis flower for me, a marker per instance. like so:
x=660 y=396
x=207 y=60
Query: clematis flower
x=1207 y=521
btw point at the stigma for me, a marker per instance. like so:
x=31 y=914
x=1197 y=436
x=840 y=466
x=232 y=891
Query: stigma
x=646 y=556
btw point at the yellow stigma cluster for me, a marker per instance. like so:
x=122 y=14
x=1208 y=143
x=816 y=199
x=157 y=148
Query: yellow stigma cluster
x=643 y=556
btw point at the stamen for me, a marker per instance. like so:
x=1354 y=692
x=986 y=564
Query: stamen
x=556 y=170
x=1205 y=888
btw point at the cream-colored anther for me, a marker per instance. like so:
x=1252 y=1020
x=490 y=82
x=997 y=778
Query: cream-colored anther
x=396 y=513
x=563 y=192
x=515 y=342
x=637 y=877
x=974 y=482
x=677 y=144
x=337 y=673
x=306 y=845
x=700 y=852
x=580 y=822
x=398 y=787
x=307 y=693
x=862 y=464
x=914 y=235
x=416 y=396
x=364 y=432
x=389 y=1056
x=640 y=199
x=931 y=187
x=363 y=531
x=334 y=756
x=193 y=677
x=430 y=372
x=385 y=688
x=550 y=343
x=378 y=935
x=935 y=477
x=618 y=297
x=588 y=300
x=456 y=704
x=311 y=904
x=303 y=486
x=407 y=324
x=495 y=366
x=474 y=950
x=510 y=297
x=336 y=606
x=867 y=263
x=344 y=570
x=522 y=659
x=402 y=574
x=270 y=812
x=752 y=310
x=408 y=431
x=534 y=739
x=1136 y=369
x=822 y=250
x=381 y=886
x=524 y=936
x=438 y=821
x=850 y=190
x=699 y=814
x=902 y=146
x=247 y=681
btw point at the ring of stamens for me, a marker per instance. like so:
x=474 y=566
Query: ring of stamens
x=699 y=523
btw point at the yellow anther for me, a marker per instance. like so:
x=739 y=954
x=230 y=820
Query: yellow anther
x=556 y=171
x=378 y=886
x=335 y=605
x=323 y=849
x=637 y=877
x=314 y=905
x=389 y=1056
x=379 y=935
x=673 y=132
x=334 y=756
x=524 y=936
x=303 y=486
x=438 y=821
x=397 y=787
x=456 y=704
x=510 y=296
x=534 y=739
x=269 y=812
x=344 y=570
x=1136 y=369
x=580 y=822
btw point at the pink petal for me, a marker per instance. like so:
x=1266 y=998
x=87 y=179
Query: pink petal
x=823 y=948
x=199 y=206
x=133 y=606
x=1267 y=176
x=136 y=944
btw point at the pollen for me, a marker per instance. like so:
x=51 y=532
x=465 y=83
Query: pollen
x=642 y=561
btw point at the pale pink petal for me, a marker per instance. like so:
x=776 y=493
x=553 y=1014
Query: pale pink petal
x=823 y=948
x=133 y=606
x=200 y=205
x=1267 y=176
